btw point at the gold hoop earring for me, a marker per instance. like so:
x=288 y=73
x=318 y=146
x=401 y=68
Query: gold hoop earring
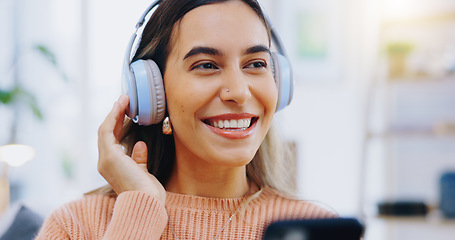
x=167 y=126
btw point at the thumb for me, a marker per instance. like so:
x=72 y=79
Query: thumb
x=139 y=154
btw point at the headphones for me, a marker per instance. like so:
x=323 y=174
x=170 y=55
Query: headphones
x=143 y=83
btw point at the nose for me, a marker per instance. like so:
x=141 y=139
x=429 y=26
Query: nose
x=235 y=87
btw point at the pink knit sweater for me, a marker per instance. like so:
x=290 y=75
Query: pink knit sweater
x=137 y=215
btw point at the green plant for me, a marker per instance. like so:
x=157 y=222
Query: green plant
x=19 y=94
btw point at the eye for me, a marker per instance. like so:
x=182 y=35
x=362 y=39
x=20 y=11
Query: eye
x=257 y=64
x=205 y=65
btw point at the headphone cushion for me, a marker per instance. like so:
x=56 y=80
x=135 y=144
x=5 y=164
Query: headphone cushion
x=282 y=73
x=129 y=88
x=151 y=100
x=158 y=93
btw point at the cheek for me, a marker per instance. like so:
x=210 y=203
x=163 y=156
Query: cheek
x=184 y=100
x=176 y=93
x=273 y=96
x=180 y=112
x=268 y=96
x=177 y=103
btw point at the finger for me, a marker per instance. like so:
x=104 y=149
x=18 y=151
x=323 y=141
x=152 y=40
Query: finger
x=117 y=112
x=123 y=100
x=113 y=122
x=139 y=154
x=123 y=103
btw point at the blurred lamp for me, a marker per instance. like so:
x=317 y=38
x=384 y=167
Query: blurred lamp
x=16 y=155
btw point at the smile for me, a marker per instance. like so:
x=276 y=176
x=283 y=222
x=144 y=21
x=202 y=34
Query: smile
x=234 y=126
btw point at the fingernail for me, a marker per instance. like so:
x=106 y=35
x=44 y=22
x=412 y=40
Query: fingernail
x=122 y=97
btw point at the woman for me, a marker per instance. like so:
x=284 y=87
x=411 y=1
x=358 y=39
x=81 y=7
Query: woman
x=212 y=174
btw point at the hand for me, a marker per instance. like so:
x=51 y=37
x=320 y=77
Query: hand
x=122 y=172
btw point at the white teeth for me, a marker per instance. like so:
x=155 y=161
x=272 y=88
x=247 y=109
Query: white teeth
x=233 y=123
x=227 y=124
x=239 y=124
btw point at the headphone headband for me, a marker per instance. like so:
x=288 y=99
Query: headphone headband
x=274 y=35
x=149 y=8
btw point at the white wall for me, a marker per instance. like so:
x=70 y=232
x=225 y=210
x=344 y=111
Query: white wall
x=326 y=117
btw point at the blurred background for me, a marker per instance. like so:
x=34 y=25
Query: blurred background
x=372 y=119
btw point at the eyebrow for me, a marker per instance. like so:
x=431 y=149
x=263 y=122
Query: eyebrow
x=257 y=49
x=216 y=52
x=202 y=50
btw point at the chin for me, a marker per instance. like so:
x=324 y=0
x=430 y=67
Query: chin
x=236 y=159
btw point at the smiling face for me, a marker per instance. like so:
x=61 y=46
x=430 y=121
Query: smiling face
x=221 y=95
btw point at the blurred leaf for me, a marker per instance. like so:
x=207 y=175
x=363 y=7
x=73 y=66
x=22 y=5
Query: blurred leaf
x=31 y=101
x=47 y=54
x=6 y=96
x=36 y=110
x=20 y=94
x=50 y=56
x=67 y=165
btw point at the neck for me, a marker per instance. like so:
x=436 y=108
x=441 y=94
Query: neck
x=191 y=179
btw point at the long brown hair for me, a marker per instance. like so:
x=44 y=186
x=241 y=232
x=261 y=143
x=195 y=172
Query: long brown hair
x=268 y=165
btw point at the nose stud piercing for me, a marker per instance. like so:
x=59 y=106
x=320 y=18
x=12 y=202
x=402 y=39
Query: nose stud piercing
x=227 y=90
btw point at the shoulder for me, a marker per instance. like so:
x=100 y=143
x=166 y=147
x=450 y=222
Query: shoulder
x=77 y=219
x=93 y=202
x=282 y=207
x=98 y=215
x=83 y=209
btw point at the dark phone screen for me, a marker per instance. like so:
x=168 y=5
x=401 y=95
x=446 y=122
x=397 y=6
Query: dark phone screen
x=315 y=229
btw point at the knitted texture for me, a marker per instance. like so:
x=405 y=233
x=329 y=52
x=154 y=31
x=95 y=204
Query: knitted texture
x=137 y=215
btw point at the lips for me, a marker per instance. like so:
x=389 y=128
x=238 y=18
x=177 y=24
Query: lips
x=233 y=126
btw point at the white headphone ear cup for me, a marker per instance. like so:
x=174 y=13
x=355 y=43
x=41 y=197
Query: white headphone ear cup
x=150 y=92
x=129 y=88
x=282 y=74
x=158 y=96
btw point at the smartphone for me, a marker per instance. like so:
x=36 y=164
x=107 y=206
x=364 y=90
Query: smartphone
x=315 y=229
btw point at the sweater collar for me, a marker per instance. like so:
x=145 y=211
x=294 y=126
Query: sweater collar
x=211 y=203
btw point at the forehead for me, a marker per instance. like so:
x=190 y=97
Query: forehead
x=230 y=24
